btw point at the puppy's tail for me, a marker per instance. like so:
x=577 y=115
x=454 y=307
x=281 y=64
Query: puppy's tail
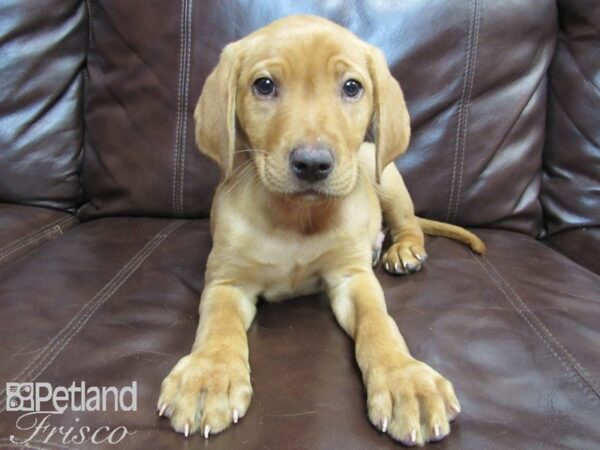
x=435 y=228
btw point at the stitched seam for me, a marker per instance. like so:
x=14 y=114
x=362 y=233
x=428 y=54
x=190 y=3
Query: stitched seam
x=5 y=443
x=41 y=229
x=179 y=107
x=23 y=255
x=183 y=150
x=11 y=445
x=175 y=179
x=583 y=373
x=47 y=231
x=90 y=23
x=60 y=341
x=17 y=259
x=463 y=107
x=31 y=242
x=91 y=306
x=467 y=108
x=459 y=121
x=523 y=316
x=569 y=368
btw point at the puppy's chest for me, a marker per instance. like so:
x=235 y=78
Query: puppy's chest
x=282 y=267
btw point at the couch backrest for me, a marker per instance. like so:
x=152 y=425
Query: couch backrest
x=571 y=184
x=473 y=72
x=42 y=54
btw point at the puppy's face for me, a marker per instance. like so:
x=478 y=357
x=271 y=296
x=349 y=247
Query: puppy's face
x=298 y=96
x=304 y=102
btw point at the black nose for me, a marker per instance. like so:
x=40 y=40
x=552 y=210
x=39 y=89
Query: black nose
x=311 y=164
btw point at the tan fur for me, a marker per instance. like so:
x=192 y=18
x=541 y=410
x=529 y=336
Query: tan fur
x=275 y=238
x=453 y=232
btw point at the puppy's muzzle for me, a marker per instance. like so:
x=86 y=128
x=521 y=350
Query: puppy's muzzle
x=311 y=164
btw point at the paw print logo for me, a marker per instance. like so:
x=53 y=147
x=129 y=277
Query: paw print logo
x=19 y=397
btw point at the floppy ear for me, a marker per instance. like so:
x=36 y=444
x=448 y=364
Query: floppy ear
x=390 y=118
x=215 y=112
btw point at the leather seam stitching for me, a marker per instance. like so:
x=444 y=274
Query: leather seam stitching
x=31 y=242
x=6 y=443
x=9 y=444
x=186 y=82
x=64 y=336
x=467 y=109
x=583 y=373
x=462 y=112
x=34 y=237
x=90 y=22
x=540 y=332
x=41 y=229
x=175 y=180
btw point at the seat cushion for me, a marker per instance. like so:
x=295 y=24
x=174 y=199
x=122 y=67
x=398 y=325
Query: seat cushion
x=580 y=244
x=24 y=228
x=115 y=300
x=42 y=55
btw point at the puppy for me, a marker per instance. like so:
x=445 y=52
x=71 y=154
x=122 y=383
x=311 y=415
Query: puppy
x=299 y=210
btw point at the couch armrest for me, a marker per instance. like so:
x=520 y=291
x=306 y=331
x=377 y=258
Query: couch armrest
x=571 y=157
x=582 y=245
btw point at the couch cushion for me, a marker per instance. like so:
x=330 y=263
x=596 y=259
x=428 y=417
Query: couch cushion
x=42 y=53
x=476 y=91
x=571 y=187
x=580 y=244
x=115 y=301
x=25 y=228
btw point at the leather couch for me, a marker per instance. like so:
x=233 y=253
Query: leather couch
x=104 y=230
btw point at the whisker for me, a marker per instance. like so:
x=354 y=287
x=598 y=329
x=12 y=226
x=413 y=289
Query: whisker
x=251 y=150
x=240 y=173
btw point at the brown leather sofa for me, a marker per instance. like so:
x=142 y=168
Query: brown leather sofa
x=105 y=201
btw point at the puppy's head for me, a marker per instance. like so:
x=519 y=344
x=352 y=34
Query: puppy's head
x=298 y=97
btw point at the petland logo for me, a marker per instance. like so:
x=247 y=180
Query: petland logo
x=41 y=401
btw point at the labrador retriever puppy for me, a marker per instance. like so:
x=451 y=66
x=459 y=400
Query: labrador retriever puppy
x=299 y=210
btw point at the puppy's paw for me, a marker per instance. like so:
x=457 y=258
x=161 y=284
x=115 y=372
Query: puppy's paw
x=412 y=402
x=404 y=257
x=205 y=393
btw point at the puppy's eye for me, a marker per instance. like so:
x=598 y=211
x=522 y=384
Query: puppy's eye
x=264 y=87
x=352 y=89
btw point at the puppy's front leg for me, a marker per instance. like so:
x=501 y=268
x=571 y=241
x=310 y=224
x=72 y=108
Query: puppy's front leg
x=405 y=398
x=210 y=388
x=407 y=252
